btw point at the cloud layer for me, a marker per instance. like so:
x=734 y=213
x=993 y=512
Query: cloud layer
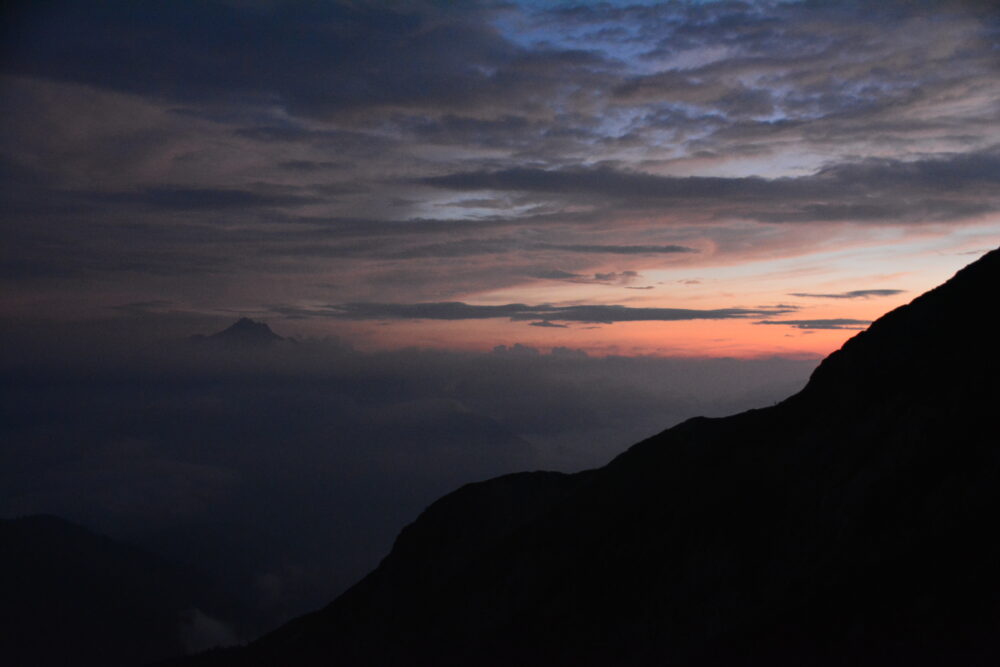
x=605 y=314
x=287 y=471
x=222 y=154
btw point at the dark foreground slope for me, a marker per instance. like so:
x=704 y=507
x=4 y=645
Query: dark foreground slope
x=854 y=523
x=72 y=597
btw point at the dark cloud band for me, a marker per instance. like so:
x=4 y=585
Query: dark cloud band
x=854 y=294
x=456 y=310
x=836 y=323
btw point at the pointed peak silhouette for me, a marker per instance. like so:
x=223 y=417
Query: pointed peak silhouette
x=245 y=332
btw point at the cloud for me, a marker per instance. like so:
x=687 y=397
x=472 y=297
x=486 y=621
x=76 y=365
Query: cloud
x=603 y=181
x=326 y=143
x=491 y=246
x=616 y=249
x=509 y=130
x=311 y=166
x=207 y=199
x=827 y=76
x=556 y=274
x=853 y=294
x=873 y=190
x=144 y=307
x=608 y=278
x=323 y=58
x=616 y=278
x=835 y=323
x=359 y=153
x=604 y=314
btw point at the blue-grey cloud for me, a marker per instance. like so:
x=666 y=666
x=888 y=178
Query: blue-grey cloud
x=604 y=181
x=882 y=190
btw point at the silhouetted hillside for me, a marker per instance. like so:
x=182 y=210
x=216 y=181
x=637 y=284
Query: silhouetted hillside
x=71 y=597
x=852 y=524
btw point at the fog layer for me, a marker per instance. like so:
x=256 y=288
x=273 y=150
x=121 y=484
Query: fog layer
x=286 y=471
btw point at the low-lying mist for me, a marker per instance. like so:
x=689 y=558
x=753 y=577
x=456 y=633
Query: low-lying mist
x=285 y=471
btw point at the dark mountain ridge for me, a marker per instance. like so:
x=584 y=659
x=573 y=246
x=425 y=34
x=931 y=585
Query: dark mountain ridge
x=851 y=524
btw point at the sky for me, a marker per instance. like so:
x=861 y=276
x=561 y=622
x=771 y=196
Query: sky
x=681 y=178
x=504 y=236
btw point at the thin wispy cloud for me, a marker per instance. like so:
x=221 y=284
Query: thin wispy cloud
x=853 y=294
x=830 y=323
x=604 y=314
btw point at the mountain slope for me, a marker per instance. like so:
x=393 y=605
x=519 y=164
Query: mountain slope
x=850 y=524
x=70 y=596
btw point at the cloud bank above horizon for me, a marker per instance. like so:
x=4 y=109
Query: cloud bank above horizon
x=272 y=159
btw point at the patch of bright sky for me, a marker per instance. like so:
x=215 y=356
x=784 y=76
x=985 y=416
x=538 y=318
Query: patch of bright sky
x=904 y=259
x=523 y=31
x=884 y=258
x=782 y=164
x=688 y=59
x=533 y=26
x=537 y=23
x=621 y=121
x=918 y=259
x=461 y=207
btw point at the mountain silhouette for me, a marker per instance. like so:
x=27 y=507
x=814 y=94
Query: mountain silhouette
x=243 y=333
x=69 y=596
x=852 y=524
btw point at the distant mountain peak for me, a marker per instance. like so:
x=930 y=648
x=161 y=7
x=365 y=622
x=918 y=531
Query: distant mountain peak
x=244 y=332
x=245 y=324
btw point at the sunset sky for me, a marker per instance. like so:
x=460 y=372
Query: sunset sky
x=507 y=236
x=679 y=178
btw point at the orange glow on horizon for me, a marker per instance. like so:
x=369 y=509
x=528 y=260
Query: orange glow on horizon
x=740 y=338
